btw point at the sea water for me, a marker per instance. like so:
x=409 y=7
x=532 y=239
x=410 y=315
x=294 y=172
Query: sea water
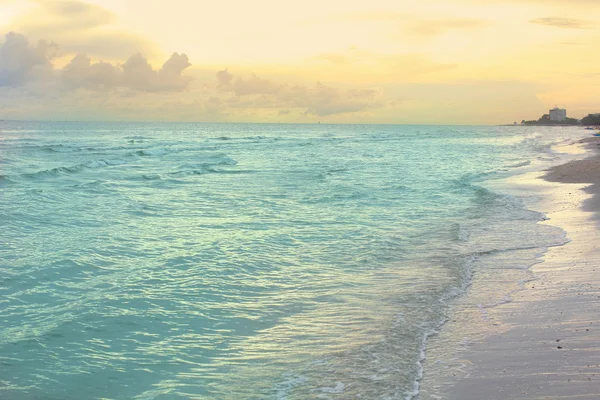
x=247 y=261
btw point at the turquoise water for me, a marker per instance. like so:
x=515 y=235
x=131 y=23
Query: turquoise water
x=175 y=261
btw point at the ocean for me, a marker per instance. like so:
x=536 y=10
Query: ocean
x=249 y=261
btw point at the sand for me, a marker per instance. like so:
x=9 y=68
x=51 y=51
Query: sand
x=544 y=341
x=579 y=171
x=582 y=171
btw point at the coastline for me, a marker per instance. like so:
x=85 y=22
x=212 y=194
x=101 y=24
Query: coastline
x=585 y=171
x=541 y=340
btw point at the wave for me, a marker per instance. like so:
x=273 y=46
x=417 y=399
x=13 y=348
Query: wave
x=48 y=148
x=469 y=179
x=211 y=164
x=537 y=143
x=208 y=170
x=60 y=148
x=519 y=164
x=492 y=204
x=66 y=148
x=151 y=177
x=324 y=175
x=72 y=169
x=467 y=264
x=151 y=152
x=136 y=137
x=210 y=161
x=96 y=186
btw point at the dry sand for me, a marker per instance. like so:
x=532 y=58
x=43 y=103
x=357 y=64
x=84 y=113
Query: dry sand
x=545 y=342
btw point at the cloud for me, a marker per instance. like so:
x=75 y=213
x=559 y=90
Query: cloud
x=418 y=26
x=326 y=100
x=80 y=72
x=568 y=4
x=224 y=79
x=565 y=23
x=106 y=44
x=20 y=61
x=80 y=27
x=359 y=64
x=214 y=106
x=118 y=104
x=334 y=58
x=74 y=14
x=87 y=87
x=320 y=100
x=173 y=67
x=135 y=73
x=255 y=85
x=139 y=74
x=442 y=26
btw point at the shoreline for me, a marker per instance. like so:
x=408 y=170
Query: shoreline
x=541 y=342
x=586 y=171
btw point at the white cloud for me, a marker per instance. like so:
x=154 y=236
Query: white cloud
x=80 y=72
x=139 y=74
x=134 y=88
x=21 y=61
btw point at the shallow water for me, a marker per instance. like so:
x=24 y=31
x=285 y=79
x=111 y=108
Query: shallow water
x=164 y=261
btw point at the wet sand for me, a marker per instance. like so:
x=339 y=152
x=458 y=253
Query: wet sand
x=544 y=341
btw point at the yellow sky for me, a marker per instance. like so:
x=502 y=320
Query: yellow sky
x=432 y=61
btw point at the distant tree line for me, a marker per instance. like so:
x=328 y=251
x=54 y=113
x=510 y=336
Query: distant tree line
x=545 y=120
x=591 y=119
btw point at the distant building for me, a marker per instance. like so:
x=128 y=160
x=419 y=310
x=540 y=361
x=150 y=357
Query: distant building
x=558 y=114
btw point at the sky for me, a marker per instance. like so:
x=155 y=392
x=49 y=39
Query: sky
x=329 y=61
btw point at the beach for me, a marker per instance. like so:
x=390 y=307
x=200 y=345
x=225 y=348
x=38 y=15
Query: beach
x=541 y=342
